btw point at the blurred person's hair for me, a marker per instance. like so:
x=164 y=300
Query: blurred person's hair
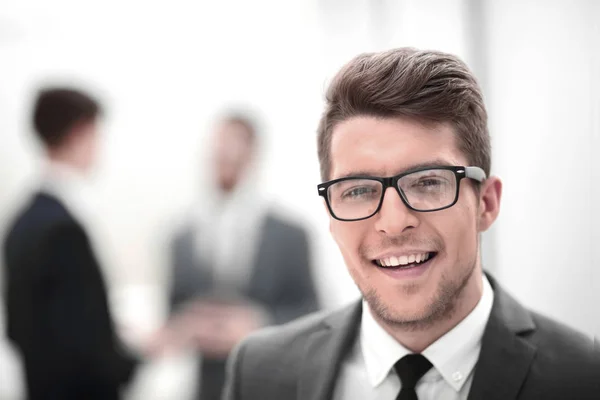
x=58 y=110
x=430 y=87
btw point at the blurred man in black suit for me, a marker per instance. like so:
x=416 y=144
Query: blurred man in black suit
x=58 y=315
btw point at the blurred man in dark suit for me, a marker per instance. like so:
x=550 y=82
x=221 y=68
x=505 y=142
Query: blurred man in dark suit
x=58 y=314
x=237 y=265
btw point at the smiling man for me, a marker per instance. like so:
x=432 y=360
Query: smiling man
x=405 y=158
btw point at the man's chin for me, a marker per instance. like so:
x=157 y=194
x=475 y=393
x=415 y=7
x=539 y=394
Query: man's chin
x=404 y=316
x=411 y=311
x=402 y=308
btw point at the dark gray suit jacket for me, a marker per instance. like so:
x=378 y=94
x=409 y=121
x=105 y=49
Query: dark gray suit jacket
x=281 y=282
x=281 y=279
x=523 y=356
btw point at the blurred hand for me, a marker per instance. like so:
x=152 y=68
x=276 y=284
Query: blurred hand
x=151 y=344
x=163 y=342
x=215 y=328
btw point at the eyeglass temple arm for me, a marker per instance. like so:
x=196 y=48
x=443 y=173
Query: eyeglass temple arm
x=475 y=173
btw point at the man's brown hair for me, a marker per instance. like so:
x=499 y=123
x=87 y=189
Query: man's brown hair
x=426 y=86
x=57 y=110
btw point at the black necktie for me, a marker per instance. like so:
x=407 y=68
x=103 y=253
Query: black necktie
x=410 y=369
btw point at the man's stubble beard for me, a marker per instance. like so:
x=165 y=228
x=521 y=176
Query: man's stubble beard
x=441 y=308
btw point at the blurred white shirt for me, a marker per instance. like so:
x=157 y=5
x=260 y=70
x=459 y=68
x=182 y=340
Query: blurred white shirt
x=368 y=373
x=71 y=188
x=228 y=233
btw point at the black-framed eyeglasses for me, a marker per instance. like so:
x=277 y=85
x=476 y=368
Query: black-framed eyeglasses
x=424 y=190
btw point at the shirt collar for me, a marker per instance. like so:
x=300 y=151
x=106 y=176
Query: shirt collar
x=69 y=186
x=453 y=355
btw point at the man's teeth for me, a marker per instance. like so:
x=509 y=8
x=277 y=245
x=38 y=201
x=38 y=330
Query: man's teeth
x=403 y=260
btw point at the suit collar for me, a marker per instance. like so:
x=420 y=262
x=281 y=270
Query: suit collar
x=327 y=347
x=516 y=318
x=505 y=355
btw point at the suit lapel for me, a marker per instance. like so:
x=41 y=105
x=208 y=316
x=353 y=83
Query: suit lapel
x=264 y=261
x=505 y=355
x=325 y=352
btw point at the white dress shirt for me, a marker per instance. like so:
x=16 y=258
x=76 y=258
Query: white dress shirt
x=70 y=187
x=368 y=373
x=228 y=233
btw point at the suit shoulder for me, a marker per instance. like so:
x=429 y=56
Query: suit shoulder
x=558 y=342
x=565 y=365
x=41 y=210
x=280 y=351
x=277 y=224
x=36 y=220
x=280 y=345
x=282 y=336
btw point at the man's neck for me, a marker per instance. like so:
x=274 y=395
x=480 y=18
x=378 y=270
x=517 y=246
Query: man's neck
x=418 y=340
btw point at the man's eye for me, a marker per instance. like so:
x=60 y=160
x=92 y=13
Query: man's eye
x=362 y=191
x=429 y=182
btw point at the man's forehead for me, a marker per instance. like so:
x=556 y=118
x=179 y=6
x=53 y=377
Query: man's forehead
x=385 y=147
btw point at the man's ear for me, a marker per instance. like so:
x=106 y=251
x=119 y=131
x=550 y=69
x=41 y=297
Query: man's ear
x=489 y=202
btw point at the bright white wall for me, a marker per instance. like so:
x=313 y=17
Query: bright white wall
x=595 y=145
x=543 y=99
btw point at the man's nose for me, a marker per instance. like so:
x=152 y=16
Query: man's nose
x=394 y=217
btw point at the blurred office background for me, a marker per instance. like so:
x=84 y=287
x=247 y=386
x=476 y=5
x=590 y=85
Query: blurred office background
x=164 y=68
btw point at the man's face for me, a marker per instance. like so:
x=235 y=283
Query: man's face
x=387 y=147
x=232 y=154
x=84 y=145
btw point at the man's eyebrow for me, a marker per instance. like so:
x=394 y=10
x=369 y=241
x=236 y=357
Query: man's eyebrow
x=428 y=164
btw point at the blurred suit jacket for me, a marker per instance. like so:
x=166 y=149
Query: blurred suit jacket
x=280 y=281
x=57 y=309
x=524 y=356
